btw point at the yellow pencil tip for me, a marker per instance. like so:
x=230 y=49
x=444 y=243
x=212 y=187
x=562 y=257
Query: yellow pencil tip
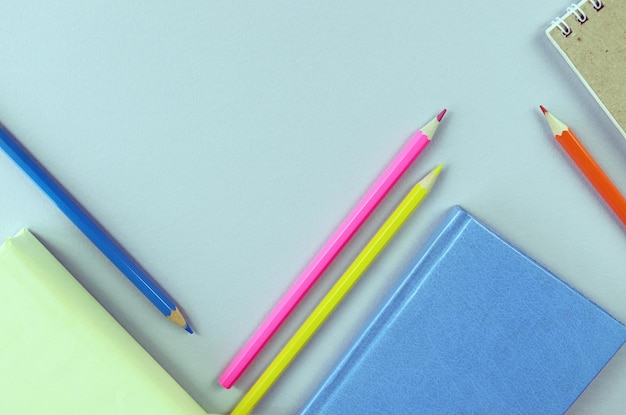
x=438 y=169
x=429 y=180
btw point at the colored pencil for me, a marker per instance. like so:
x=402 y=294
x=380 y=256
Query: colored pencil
x=90 y=228
x=341 y=288
x=587 y=165
x=412 y=149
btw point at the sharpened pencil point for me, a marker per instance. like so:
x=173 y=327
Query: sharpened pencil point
x=177 y=317
x=438 y=169
x=441 y=114
x=543 y=109
x=429 y=180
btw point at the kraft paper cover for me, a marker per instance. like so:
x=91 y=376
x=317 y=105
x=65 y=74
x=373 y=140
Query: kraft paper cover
x=596 y=50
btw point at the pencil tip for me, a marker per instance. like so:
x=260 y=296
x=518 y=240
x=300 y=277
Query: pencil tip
x=557 y=126
x=177 y=317
x=429 y=180
x=429 y=129
x=441 y=114
x=437 y=169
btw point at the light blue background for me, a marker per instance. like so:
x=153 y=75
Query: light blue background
x=222 y=142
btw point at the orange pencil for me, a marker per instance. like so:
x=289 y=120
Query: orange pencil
x=594 y=173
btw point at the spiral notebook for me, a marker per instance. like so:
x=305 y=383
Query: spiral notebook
x=591 y=36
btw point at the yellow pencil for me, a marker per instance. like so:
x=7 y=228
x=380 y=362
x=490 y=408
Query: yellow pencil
x=337 y=293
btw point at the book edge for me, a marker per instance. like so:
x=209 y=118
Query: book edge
x=444 y=234
x=450 y=227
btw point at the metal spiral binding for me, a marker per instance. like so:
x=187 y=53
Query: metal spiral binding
x=597 y=4
x=563 y=27
x=581 y=16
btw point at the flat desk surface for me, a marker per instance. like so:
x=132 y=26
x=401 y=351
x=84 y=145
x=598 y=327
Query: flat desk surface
x=221 y=144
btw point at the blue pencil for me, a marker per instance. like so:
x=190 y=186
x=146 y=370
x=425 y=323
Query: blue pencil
x=90 y=228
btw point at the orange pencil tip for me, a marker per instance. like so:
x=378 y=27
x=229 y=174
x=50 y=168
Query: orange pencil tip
x=543 y=109
x=441 y=114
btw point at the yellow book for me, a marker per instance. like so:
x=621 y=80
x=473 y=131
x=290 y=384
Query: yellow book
x=61 y=352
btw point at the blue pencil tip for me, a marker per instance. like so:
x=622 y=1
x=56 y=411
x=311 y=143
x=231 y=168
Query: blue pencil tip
x=188 y=329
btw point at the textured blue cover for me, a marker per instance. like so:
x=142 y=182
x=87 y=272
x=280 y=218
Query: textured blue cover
x=474 y=327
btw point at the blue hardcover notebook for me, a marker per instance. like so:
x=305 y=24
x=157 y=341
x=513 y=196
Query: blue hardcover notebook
x=475 y=327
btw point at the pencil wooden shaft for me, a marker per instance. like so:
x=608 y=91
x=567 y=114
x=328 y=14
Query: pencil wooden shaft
x=331 y=249
x=333 y=298
x=87 y=225
x=594 y=173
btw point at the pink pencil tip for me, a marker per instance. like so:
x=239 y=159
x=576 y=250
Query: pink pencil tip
x=441 y=114
x=543 y=109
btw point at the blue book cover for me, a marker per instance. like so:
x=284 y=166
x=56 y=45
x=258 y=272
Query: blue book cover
x=473 y=327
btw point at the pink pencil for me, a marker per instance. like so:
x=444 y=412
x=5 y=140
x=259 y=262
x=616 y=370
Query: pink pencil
x=416 y=145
